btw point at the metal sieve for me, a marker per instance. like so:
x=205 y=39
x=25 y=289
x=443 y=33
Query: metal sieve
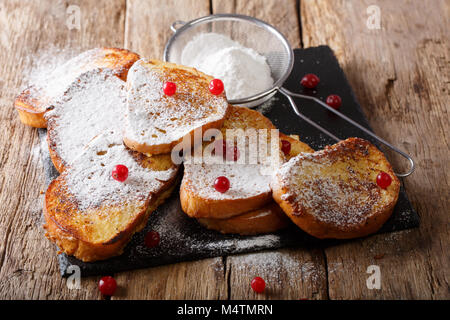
x=269 y=42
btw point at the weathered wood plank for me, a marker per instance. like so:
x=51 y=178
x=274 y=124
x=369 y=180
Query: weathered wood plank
x=148 y=22
x=28 y=263
x=204 y=279
x=147 y=31
x=293 y=274
x=400 y=75
x=281 y=14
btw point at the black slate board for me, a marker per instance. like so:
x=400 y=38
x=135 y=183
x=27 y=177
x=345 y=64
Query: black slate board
x=183 y=239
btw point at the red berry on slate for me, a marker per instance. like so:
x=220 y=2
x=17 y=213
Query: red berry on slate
x=169 y=88
x=151 y=239
x=384 y=180
x=258 y=285
x=107 y=286
x=310 y=81
x=285 y=147
x=222 y=184
x=120 y=173
x=334 y=101
x=216 y=87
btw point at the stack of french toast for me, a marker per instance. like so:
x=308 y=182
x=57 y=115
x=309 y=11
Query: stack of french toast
x=119 y=128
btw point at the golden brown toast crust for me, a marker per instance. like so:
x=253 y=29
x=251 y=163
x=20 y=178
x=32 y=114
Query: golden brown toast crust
x=88 y=251
x=97 y=224
x=170 y=119
x=31 y=104
x=268 y=219
x=297 y=146
x=197 y=206
x=333 y=193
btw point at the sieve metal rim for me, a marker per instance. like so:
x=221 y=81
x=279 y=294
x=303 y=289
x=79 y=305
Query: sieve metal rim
x=237 y=17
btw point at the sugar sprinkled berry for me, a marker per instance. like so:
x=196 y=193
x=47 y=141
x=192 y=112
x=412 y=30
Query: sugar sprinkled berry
x=120 y=173
x=152 y=239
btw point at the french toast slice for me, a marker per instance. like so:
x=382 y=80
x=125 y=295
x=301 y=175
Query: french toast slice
x=333 y=193
x=92 y=216
x=94 y=103
x=249 y=181
x=268 y=219
x=155 y=122
x=33 y=102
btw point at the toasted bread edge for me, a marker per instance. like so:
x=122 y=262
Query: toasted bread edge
x=310 y=224
x=87 y=251
x=250 y=223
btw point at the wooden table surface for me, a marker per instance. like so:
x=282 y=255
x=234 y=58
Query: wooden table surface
x=400 y=74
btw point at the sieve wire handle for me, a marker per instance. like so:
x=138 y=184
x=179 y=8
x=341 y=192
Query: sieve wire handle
x=288 y=94
x=174 y=26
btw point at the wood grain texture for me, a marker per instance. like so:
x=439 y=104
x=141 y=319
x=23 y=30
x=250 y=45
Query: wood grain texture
x=290 y=274
x=204 y=279
x=282 y=14
x=28 y=263
x=400 y=76
x=148 y=23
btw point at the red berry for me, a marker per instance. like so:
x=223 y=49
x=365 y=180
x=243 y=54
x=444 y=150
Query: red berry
x=221 y=148
x=258 y=285
x=334 y=101
x=120 y=173
x=151 y=239
x=384 y=180
x=216 y=87
x=107 y=286
x=310 y=81
x=285 y=147
x=236 y=153
x=169 y=88
x=222 y=184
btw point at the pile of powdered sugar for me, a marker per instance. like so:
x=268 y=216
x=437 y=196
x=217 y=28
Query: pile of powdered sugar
x=243 y=71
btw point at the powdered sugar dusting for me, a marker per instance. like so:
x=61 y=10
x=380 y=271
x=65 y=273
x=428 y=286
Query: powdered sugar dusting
x=94 y=103
x=177 y=237
x=246 y=180
x=43 y=63
x=154 y=118
x=325 y=184
x=249 y=176
x=89 y=178
x=51 y=86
